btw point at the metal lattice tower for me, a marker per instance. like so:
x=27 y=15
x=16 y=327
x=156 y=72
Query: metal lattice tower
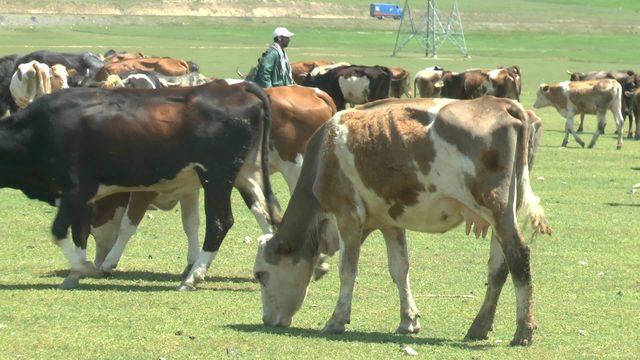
x=431 y=31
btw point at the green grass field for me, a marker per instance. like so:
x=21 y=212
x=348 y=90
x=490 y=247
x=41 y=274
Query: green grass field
x=587 y=288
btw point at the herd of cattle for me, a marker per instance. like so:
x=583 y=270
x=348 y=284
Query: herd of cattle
x=130 y=132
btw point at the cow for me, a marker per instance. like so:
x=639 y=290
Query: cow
x=34 y=79
x=584 y=97
x=7 y=69
x=296 y=112
x=136 y=80
x=470 y=84
x=113 y=56
x=300 y=69
x=428 y=82
x=425 y=165
x=635 y=110
x=85 y=65
x=353 y=84
x=399 y=82
x=165 y=67
x=77 y=146
x=628 y=81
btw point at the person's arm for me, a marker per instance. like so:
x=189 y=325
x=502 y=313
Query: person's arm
x=263 y=76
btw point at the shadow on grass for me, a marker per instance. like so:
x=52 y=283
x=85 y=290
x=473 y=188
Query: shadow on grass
x=620 y=204
x=360 y=336
x=155 y=276
x=122 y=287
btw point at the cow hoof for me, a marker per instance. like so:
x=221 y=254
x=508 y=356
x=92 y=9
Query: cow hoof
x=108 y=270
x=412 y=328
x=591 y=146
x=524 y=334
x=333 y=328
x=321 y=270
x=72 y=281
x=186 y=287
x=477 y=333
x=87 y=268
x=520 y=342
x=581 y=143
x=564 y=144
x=619 y=146
x=186 y=271
x=580 y=130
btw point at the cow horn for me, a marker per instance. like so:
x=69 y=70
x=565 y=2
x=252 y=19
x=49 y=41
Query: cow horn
x=569 y=72
x=239 y=73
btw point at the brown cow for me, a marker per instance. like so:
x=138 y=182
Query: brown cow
x=425 y=165
x=470 y=84
x=164 y=66
x=300 y=69
x=112 y=56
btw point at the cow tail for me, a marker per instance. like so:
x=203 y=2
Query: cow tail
x=527 y=202
x=415 y=88
x=264 y=153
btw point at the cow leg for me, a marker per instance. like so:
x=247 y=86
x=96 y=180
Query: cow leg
x=581 y=127
x=219 y=219
x=601 y=123
x=249 y=183
x=351 y=235
x=106 y=235
x=497 y=275
x=73 y=213
x=398 y=258
x=190 y=211
x=637 y=120
x=568 y=128
x=617 y=114
x=629 y=114
x=137 y=207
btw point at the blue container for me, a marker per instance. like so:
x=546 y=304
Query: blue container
x=382 y=11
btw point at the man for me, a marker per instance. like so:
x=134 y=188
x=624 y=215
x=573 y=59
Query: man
x=273 y=68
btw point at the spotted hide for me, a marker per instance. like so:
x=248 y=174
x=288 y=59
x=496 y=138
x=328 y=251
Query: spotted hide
x=425 y=165
x=78 y=146
x=584 y=97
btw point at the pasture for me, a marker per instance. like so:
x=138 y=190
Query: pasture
x=586 y=284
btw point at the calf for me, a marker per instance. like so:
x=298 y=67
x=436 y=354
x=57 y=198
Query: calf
x=628 y=81
x=353 y=84
x=584 y=97
x=424 y=165
x=78 y=146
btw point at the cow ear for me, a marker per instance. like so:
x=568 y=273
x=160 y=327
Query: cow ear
x=544 y=87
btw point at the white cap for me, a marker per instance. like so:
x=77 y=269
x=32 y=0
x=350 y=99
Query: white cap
x=282 y=31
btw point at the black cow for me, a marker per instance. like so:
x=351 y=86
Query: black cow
x=7 y=68
x=80 y=145
x=353 y=84
x=626 y=78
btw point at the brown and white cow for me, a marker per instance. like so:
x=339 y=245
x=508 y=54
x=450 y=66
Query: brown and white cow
x=425 y=165
x=627 y=79
x=428 y=82
x=33 y=80
x=300 y=69
x=296 y=113
x=399 y=82
x=470 y=84
x=584 y=97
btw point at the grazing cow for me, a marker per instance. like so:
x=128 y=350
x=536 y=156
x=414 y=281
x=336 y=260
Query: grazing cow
x=166 y=67
x=583 y=97
x=296 y=113
x=628 y=81
x=399 y=82
x=425 y=165
x=353 y=84
x=300 y=69
x=77 y=146
x=33 y=80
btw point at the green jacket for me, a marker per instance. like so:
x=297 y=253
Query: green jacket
x=269 y=72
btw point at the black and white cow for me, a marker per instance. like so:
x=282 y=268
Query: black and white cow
x=78 y=146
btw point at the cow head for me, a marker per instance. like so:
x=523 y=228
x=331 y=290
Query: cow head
x=542 y=97
x=576 y=76
x=59 y=77
x=284 y=280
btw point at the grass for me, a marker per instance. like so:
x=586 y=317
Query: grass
x=585 y=276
